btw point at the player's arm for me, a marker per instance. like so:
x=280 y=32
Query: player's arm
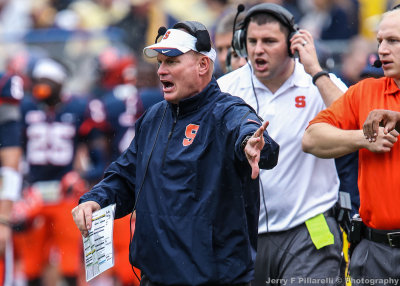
x=327 y=141
x=11 y=177
x=10 y=151
x=10 y=188
x=92 y=159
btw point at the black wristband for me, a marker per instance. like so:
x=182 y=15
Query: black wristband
x=318 y=75
x=244 y=142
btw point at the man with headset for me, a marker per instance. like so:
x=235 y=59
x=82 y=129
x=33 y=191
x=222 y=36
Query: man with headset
x=227 y=58
x=299 y=239
x=361 y=120
x=191 y=173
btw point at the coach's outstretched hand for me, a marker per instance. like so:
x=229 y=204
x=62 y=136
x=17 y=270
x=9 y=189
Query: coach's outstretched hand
x=82 y=215
x=253 y=149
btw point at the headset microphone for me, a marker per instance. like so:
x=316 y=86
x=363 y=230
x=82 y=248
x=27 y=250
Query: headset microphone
x=240 y=9
x=161 y=31
x=377 y=63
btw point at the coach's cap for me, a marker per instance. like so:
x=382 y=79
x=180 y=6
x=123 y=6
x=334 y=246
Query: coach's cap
x=175 y=43
x=50 y=69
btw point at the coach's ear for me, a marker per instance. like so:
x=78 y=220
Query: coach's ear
x=204 y=65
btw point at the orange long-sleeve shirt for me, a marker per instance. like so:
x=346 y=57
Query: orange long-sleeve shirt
x=379 y=173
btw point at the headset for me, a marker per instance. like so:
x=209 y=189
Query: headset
x=161 y=32
x=199 y=31
x=194 y=28
x=281 y=14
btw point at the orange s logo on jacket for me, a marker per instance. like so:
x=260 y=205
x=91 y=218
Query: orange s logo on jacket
x=190 y=134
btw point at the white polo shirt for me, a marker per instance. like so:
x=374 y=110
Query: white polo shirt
x=301 y=185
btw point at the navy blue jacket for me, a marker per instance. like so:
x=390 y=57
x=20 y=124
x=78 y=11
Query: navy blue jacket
x=196 y=204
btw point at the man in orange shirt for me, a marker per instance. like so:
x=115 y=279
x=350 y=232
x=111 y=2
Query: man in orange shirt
x=337 y=131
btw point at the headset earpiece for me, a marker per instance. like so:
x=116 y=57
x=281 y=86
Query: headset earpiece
x=199 y=31
x=203 y=43
x=291 y=34
x=239 y=37
x=161 y=32
x=239 y=43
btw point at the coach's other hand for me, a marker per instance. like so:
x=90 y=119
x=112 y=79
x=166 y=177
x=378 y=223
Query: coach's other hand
x=82 y=215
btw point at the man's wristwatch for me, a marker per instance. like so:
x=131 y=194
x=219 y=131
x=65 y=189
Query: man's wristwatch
x=244 y=142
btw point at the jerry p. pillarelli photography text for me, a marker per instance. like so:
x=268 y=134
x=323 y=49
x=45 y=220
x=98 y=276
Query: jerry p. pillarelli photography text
x=331 y=280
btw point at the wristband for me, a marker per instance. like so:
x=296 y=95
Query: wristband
x=244 y=142
x=318 y=75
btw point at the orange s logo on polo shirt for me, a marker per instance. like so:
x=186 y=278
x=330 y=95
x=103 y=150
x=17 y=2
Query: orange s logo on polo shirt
x=300 y=101
x=190 y=133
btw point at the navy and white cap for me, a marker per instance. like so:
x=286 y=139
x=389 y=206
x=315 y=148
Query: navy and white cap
x=175 y=43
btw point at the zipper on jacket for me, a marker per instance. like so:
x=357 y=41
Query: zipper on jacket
x=170 y=135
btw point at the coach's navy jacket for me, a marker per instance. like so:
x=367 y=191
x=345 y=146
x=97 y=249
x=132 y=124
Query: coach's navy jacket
x=196 y=204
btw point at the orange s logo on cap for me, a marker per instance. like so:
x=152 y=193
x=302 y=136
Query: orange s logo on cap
x=166 y=35
x=190 y=133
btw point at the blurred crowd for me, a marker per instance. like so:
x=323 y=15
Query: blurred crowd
x=95 y=47
x=78 y=31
